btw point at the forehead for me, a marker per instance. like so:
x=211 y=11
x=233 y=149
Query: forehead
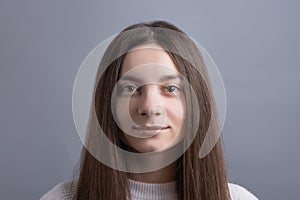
x=145 y=55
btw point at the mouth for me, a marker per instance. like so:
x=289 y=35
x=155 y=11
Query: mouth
x=150 y=130
x=142 y=128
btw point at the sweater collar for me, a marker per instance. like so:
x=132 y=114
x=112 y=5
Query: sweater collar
x=140 y=190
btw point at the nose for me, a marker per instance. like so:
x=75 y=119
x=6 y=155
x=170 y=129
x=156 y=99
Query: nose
x=150 y=104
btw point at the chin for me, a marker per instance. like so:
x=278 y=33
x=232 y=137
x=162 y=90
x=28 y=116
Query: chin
x=148 y=145
x=148 y=149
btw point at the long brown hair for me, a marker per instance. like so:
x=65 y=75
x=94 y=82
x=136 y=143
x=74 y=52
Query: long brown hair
x=204 y=178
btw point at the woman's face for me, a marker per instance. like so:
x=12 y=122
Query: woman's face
x=150 y=106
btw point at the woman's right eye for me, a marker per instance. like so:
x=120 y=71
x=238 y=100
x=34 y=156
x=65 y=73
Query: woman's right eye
x=127 y=89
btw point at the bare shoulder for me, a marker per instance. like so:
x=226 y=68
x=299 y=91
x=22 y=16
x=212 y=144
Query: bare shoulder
x=237 y=192
x=62 y=191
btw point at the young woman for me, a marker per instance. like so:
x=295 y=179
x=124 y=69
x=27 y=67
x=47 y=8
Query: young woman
x=151 y=111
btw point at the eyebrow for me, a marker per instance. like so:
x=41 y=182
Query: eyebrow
x=162 y=78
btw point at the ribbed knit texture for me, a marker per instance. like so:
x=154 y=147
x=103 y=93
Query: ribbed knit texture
x=144 y=191
x=140 y=191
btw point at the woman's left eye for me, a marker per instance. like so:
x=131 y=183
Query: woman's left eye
x=171 y=88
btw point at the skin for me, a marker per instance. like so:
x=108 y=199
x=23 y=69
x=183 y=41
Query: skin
x=150 y=110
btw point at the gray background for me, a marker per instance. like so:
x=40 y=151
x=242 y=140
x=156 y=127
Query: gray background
x=254 y=43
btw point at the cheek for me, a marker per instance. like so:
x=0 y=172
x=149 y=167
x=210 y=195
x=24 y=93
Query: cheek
x=124 y=107
x=121 y=111
x=124 y=116
x=176 y=110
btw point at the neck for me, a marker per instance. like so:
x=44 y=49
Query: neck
x=164 y=175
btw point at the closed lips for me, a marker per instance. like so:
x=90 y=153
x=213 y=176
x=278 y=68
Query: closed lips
x=144 y=128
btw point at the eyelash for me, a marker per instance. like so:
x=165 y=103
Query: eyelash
x=174 y=86
x=122 y=89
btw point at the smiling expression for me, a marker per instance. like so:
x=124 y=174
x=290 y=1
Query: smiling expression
x=149 y=104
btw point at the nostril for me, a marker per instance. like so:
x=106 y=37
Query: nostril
x=154 y=110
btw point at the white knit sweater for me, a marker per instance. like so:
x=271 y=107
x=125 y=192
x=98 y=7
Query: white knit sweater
x=144 y=191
